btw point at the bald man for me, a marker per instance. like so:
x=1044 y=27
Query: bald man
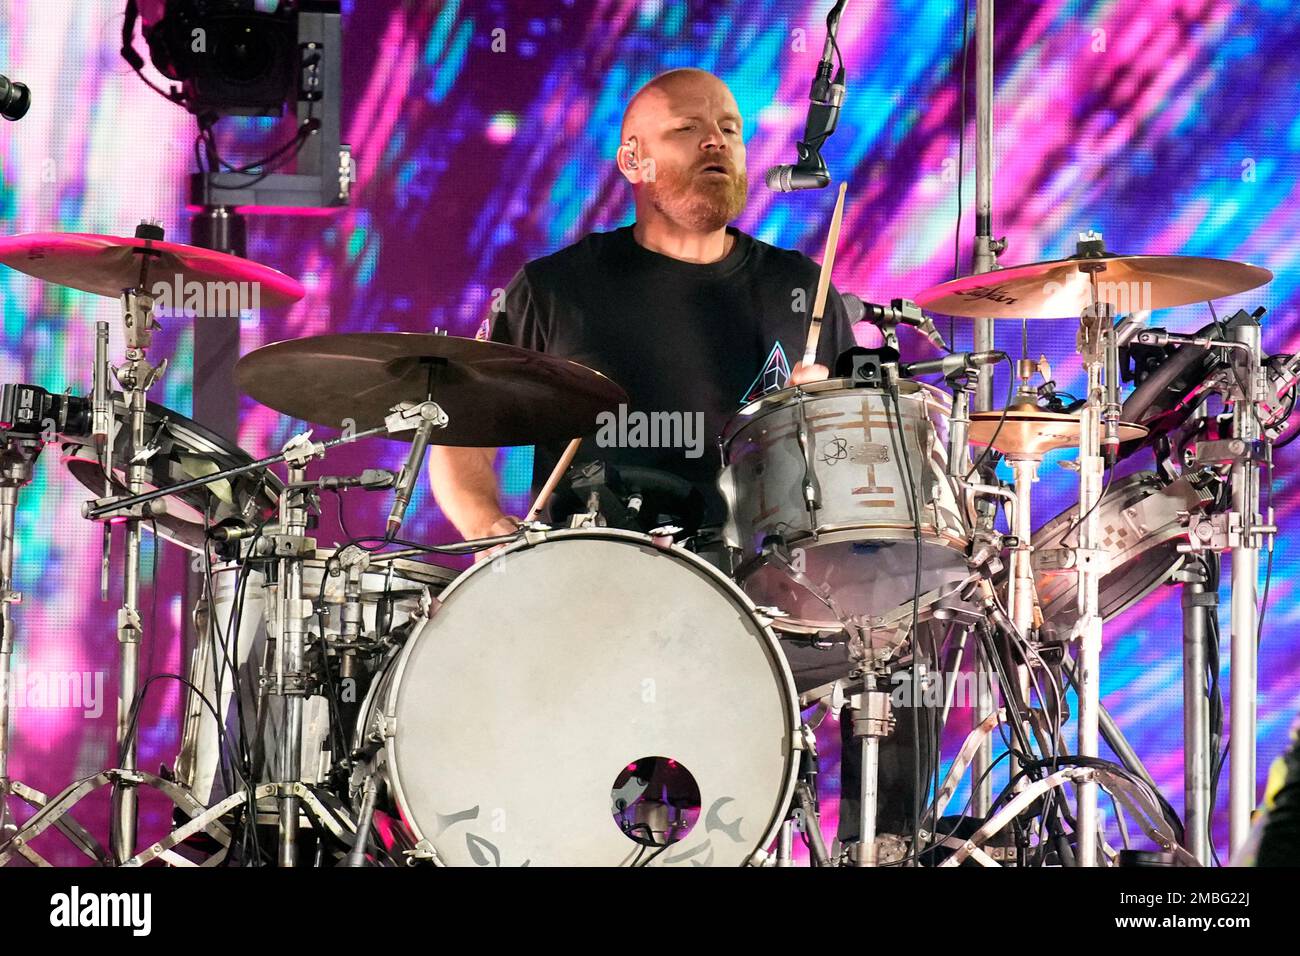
x=689 y=314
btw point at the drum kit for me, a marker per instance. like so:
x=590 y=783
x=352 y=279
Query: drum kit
x=594 y=694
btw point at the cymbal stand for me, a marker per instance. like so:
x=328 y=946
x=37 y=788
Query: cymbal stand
x=18 y=455
x=135 y=375
x=1096 y=343
x=290 y=678
x=1243 y=531
x=1022 y=596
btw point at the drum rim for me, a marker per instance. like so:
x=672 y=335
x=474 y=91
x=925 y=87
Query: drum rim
x=762 y=407
x=320 y=557
x=195 y=439
x=389 y=681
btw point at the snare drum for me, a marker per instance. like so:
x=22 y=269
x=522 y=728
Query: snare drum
x=392 y=592
x=588 y=698
x=820 y=469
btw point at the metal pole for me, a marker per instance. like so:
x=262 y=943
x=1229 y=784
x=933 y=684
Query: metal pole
x=129 y=625
x=1196 y=711
x=1096 y=336
x=290 y=670
x=1244 y=611
x=985 y=260
x=16 y=460
x=985 y=257
x=1025 y=473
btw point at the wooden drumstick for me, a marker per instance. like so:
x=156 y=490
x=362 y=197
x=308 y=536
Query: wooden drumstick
x=824 y=281
x=557 y=473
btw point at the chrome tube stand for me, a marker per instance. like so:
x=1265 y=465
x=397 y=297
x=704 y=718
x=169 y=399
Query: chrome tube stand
x=18 y=455
x=985 y=259
x=1096 y=339
x=1022 y=592
x=136 y=376
x=873 y=719
x=1197 y=603
x=1249 y=393
x=290 y=679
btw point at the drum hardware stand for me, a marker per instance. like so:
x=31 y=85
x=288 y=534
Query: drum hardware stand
x=55 y=813
x=985 y=259
x=291 y=678
x=1097 y=345
x=1198 y=758
x=17 y=458
x=136 y=376
x=1022 y=596
x=1243 y=531
x=1141 y=805
x=804 y=814
x=873 y=719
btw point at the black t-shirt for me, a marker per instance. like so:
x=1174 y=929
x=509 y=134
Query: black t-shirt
x=691 y=344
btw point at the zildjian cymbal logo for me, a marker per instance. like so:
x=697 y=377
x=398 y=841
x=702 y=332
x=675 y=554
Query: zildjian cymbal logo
x=992 y=293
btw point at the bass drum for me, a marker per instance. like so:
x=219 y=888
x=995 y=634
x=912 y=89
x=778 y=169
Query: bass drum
x=587 y=698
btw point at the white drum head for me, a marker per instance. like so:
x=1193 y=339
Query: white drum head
x=550 y=669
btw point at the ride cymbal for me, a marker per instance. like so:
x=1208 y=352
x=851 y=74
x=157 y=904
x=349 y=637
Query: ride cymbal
x=493 y=394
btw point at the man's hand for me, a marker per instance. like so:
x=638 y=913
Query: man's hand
x=505 y=524
x=803 y=374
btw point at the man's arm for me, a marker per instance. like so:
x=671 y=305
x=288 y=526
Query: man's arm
x=464 y=484
x=464 y=480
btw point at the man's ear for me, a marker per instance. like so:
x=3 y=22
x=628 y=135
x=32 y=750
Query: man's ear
x=628 y=163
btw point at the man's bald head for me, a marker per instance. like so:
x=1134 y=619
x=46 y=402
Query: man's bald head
x=660 y=93
x=683 y=150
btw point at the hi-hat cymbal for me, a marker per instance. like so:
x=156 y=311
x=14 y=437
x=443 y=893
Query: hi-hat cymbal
x=1061 y=289
x=493 y=394
x=1030 y=432
x=105 y=265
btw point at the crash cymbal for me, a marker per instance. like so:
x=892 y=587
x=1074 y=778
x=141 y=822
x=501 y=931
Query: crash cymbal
x=1031 y=432
x=105 y=265
x=493 y=394
x=1061 y=289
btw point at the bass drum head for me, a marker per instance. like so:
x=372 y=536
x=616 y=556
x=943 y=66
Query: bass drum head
x=547 y=672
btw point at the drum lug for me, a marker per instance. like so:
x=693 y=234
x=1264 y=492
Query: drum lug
x=423 y=851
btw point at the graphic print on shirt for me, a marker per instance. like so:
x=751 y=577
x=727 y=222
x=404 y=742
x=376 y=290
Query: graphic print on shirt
x=773 y=377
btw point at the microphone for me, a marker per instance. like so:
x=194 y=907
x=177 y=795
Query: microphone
x=825 y=100
x=949 y=364
x=424 y=417
x=898 y=312
x=15 y=99
x=788 y=178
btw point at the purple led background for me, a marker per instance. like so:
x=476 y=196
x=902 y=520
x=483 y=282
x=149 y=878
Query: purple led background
x=1168 y=126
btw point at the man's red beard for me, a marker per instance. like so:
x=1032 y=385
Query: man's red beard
x=697 y=200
